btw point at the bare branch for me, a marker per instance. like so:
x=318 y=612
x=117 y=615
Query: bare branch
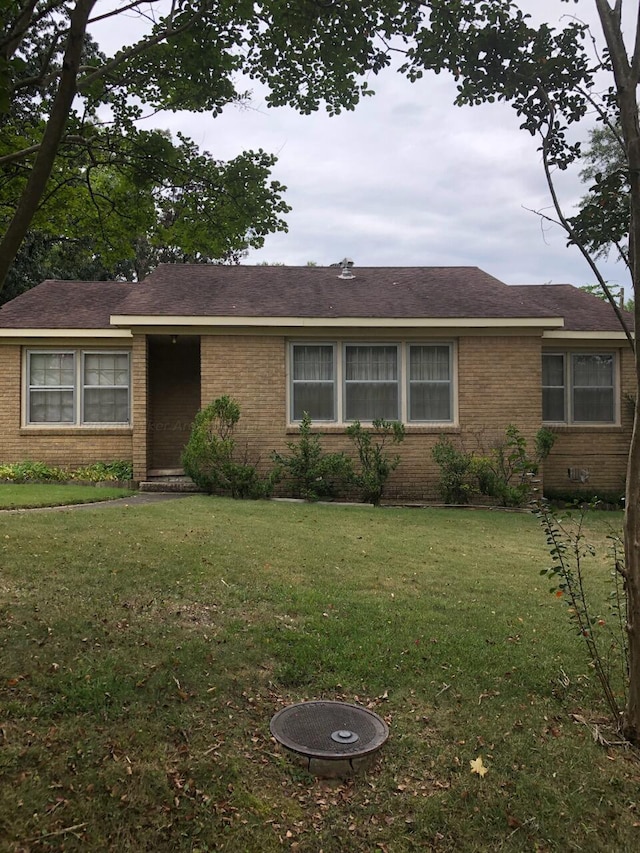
x=564 y=222
x=121 y=9
x=583 y=250
x=603 y=115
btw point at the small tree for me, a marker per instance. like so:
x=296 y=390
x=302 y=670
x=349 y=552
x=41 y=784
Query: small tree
x=209 y=456
x=375 y=463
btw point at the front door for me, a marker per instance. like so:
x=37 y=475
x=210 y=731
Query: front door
x=174 y=396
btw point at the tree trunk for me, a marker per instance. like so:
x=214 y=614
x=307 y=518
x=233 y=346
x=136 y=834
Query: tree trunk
x=37 y=182
x=627 y=76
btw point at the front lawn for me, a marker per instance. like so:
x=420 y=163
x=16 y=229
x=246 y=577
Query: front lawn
x=144 y=651
x=32 y=495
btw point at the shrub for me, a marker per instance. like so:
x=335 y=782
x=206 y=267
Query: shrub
x=580 y=497
x=375 y=463
x=505 y=472
x=32 y=472
x=509 y=471
x=104 y=472
x=604 y=635
x=313 y=473
x=457 y=475
x=209 y=457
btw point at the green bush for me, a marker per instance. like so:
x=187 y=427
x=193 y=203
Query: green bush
x=375 y=463
x=32 y=472
x=510 y=469
x=580 y=497
x=210 y=456
x=457 y=475
x=104 y=472
x=505 y=472
x=312 y=473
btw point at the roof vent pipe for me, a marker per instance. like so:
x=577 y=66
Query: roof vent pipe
x=346 y=264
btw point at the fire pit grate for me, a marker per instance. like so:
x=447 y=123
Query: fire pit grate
x=330 y=735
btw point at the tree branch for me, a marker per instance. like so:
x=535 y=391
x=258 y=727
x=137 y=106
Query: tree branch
x=635 y=60
x=41 y=79
x=54 y=132
x=26 y=20
x=551 y=122
x=121 y=9
x=17 y=31
x=140 y=47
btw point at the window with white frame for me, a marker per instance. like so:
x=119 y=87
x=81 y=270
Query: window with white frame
x=344 y=381
x=579 y=388
x=313 y=382
x=430 y=387
x=371 y=382
x=75 y=387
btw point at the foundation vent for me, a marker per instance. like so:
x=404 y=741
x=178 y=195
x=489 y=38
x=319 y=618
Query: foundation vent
x=578 y=475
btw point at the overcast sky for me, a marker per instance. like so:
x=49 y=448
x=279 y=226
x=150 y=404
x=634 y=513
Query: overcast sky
x=407 y=179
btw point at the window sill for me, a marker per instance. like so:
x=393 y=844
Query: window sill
x=409 y=429
x=590 y=428
x=35 y=429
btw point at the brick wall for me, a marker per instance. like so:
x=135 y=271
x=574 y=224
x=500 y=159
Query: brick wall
x=600 y=452
x=499 y=383
x=140 y=436
x=66 y=447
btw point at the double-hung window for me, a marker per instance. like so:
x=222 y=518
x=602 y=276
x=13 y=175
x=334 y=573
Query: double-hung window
x=52 y=377
x=105 y=389
x=75 y=387
x=344 y=381
x=313 y=382
x=371 y=382
x=579 y=388
x=430 y=387
x=554 y=391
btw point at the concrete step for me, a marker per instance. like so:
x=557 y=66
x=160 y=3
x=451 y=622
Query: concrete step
x=174 y=484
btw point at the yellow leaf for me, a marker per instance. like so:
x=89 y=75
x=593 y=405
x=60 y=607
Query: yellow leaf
x=478 y=767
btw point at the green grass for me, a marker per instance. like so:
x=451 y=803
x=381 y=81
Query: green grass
x=33 y=495
x=144 y=651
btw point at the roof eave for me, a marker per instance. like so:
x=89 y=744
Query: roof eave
x=582 y=335
x=105 y=333
x=153 y=320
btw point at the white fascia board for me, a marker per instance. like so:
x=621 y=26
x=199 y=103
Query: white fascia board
x=564 y=335
x=151 y=321
x=19 y=334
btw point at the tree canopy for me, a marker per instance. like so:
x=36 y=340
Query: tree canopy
x=602 y=222
x=71 y=146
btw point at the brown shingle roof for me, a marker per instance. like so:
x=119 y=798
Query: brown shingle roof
x=582 y=311
x=64 y=305
x=262 y=291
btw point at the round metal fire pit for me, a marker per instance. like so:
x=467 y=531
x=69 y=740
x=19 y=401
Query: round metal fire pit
x=329 y=738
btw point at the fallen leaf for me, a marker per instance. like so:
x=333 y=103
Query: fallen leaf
x=478 y=767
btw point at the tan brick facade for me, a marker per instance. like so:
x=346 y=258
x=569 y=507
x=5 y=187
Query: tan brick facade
x=67 y=447
x=595 y=457
x=498 y=382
